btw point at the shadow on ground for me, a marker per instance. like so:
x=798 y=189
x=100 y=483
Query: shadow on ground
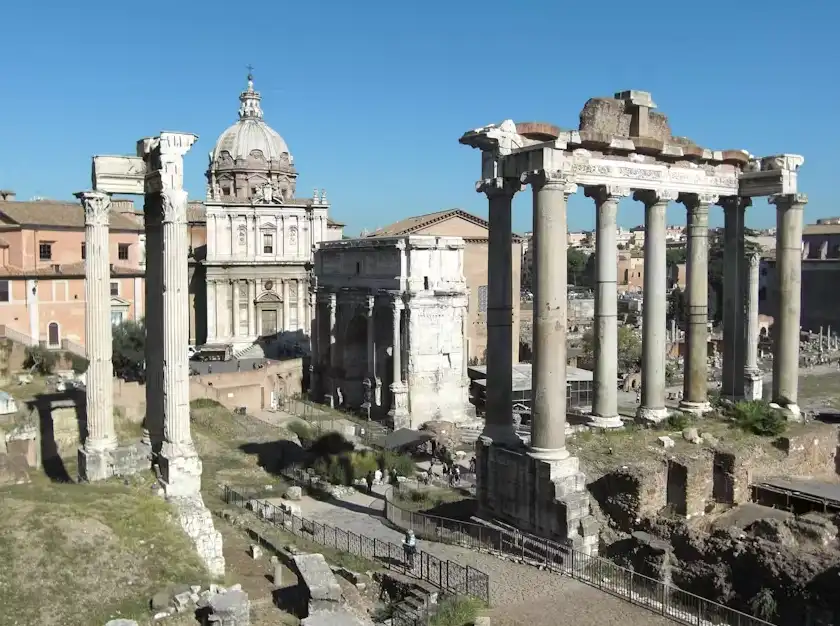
x=45 y=404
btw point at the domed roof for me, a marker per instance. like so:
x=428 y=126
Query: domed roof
x=250 y=138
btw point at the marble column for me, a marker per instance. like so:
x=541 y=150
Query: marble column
x=232 y=236
x=789 y=213
x=285 y=325
x=370 y=379
x=211 y=310
x=180 y=466
x=498 y=423
x=399 y=393
x=252 y=308
x=278 y=236
x=236 y=313
x=300 y=304
x=655 y=306
x=94 y=457
x=753 y=379
x=732 y=385
x=548 y=379
x=332 y=305
x=153 y=350
x=605 y=331
x=314 y=349
x=695 y=393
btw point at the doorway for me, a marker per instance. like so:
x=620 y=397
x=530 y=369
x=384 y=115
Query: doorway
x=269 y=321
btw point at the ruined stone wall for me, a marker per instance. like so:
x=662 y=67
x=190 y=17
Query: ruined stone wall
x=250 y=388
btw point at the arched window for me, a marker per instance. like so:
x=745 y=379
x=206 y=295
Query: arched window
x=53 y=335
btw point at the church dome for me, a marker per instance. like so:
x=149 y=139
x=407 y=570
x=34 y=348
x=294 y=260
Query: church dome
x=249 y=155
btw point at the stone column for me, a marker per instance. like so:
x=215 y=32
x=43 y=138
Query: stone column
x=153 y=350
x=605 y=397
x=180 y=465
x=498 y=424
x=753 y=379
x=399 y=394
x=236 y=319
x=300 y=304
x=285 y=324
x=95 y=455
x=733 y=296
x=548 y=378
x=655 y=307
x=252 y=296
x=789 y=212
x=695 y=394
x=211 y=310
x=370 y=380
x=232 y=236
x=332 y=304
x=314 y=349
x=278 y=237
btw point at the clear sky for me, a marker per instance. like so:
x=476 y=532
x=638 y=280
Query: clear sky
x=372 y=96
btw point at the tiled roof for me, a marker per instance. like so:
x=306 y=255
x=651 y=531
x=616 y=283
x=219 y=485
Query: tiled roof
x=67 y=270
x=413 y=224
x=56 y=214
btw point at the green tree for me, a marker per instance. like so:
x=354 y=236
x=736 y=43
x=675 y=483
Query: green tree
x=629 y=349
x=576 y=262
x=677 y=305
x=39 y=359
x=129 y=348
x=675 y=256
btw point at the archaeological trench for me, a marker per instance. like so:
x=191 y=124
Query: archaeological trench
x=677 y=508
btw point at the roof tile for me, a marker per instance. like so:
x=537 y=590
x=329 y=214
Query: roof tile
x=57 y=214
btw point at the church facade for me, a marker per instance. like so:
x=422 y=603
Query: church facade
x=259 y=238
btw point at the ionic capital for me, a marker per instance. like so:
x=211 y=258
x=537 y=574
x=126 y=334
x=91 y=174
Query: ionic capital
x=97 y=207
x=698 y=202
x=606 y=193
x=540 y=179
x=732 y=203
x=652 y=197
x=786 y=201
x=498 y=187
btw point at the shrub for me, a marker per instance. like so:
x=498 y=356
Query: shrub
x=303 y=432
x=40 y=360
x=363 y=463
x=757 y=417
x=204 y=403
x=78 y=363
x=403 y=463
x=763 y=604
x=678 y=421
x=457 y=611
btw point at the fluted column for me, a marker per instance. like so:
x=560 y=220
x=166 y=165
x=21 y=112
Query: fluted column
x=732 y=385
x=753 y=382
x=252 y=317
x=153 y=350
x=695 y=394
x=548 y=379
x=101 y=436
x=399 y=405
x=300 y=304
x=789 y=213
x=605 y=331
x=332 y=305
x=498 y=423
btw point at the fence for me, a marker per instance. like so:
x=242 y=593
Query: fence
x=650 y=593
x=324 y=419
x=445 y=575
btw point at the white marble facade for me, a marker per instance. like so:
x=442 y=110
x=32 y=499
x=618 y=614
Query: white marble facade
x=260 y=237
x=391 y=316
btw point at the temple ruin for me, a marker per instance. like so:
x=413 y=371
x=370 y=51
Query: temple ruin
x=622 y=147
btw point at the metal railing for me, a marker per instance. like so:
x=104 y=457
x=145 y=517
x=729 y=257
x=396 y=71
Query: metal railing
x=443 y=574
x=599 y=572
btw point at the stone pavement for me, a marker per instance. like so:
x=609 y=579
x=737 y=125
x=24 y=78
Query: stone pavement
x=519 y=594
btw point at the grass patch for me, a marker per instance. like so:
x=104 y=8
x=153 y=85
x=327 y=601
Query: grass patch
x=426 y=499
x=457 y=611
x=758 y=418
x=61 y=542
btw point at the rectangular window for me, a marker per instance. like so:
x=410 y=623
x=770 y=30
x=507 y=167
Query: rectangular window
x=117 y=318
x=5 y=291
x=482 y=299
x=122 y=252
x=268 y=244
x=115 y=288
x=83 y=251
x=45 y=250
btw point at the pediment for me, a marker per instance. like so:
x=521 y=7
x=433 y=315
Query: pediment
x=269 y=297
x=119 y=302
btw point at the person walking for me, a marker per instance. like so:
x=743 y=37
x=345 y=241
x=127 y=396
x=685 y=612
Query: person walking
x=369 y=480
x=410 y=548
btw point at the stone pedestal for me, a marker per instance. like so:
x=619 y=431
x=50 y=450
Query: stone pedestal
x=180 y=469
x=94 y=465
x=753 y=385
x=399 y=406
x=545 y=497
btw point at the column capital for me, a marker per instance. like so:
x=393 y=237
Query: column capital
x=606 y=193
x=97 y=207
x=788 y=200
x=698 y=201
x=730 y=203
x=174 y=205
x=371 y=300
x=652 y=197
x=495 y=187
x=754 y=259
x=539 y=179
x=397 y=304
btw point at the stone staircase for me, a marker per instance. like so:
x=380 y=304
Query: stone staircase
x=254 y=351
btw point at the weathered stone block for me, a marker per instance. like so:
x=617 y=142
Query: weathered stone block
x=231 y=608
x=320 y=586
x=256 y=551
x=94 y=465
x=294 y=493
x=121 y=622
x=26 y=449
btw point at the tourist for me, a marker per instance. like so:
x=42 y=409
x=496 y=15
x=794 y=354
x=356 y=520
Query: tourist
x=369 y=480
x=377 y=477
x=410 y=548
x=427 y=478
x=456 y=473
x=472 y=466
x=238 y=365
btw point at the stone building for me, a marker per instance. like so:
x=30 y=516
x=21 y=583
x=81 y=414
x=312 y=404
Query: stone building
x=390 y=329
x=259 y=236
x=42 y=271
x=475 y=233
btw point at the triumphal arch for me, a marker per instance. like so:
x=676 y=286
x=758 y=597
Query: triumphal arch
x=623 y=147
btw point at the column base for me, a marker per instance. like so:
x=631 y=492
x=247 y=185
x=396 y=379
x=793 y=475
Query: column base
x=501 y=435
x=399 y=412
x=549 y=454
x=695 y=408
x=792 y=411
x=95 y=465
x=753 y=385
x=180 y=470
x=599 y=421
x=648 y=415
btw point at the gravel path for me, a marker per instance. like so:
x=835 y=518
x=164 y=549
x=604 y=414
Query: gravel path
x=519 y=594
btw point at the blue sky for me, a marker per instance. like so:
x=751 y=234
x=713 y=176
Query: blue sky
x=372 y=96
